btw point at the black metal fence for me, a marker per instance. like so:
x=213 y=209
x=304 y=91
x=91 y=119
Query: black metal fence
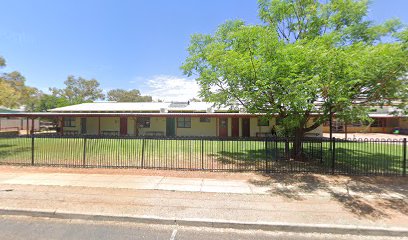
x=319 y=155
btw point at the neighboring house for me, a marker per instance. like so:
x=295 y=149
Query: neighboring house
x=385 y=121
x=16 y=124
x=162 y=119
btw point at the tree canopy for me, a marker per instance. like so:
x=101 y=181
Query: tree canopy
x=306 y=60
x=121 y=95
x=79 y=90
x=14 y=92
x=2 y=62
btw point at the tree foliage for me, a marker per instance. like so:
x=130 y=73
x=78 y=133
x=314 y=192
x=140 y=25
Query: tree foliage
x=48 y=101
x=2 y=62
x=79 y=90
x=121 y=95
x=307 y=60
x=308 y=57
x=13 y=91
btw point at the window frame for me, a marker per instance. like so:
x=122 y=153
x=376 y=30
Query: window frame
x=143 y=122
x=70 y=120
x=378 y=122
x=182 y=122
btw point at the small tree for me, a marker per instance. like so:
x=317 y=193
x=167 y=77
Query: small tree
x=309 y=57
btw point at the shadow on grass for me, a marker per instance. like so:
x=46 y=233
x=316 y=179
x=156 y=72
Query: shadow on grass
x=357 y=159
x=365 y=197
x=270 y=160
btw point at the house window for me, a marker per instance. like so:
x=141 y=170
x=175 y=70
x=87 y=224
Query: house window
x=143 y=122
x=205 y=119
x=263 y=122
x=378 y=122
x=392 y=122
x=69 y=122
x=184 y=122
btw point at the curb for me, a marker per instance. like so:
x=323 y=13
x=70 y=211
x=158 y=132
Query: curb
x=265 y=226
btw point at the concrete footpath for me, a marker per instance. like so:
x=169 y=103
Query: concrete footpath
x=300 y=203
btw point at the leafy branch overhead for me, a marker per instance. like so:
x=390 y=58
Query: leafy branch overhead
x=307 y=57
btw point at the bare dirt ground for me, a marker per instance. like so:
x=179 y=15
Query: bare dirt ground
x=254 y=177
x=134 y=171
x=381 y=136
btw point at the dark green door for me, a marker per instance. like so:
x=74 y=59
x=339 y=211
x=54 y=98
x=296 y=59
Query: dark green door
x=170 y=127
x=83 y=125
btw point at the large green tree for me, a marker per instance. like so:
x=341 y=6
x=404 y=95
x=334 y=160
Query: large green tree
x=79 y=90
x=307 y=60
x=121 y=95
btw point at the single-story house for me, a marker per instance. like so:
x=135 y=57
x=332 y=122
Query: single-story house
x=162 y=119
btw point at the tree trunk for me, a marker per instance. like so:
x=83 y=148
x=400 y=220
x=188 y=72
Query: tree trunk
x=297 y=153
x=345 y=130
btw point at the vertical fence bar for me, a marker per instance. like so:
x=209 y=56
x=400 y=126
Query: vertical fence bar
x=84 y=155
x=143 y=149
x=266 y=154
x=202 y=153
x=321 y=150
x=32 y=149
x=404 y=160
x=333 y=143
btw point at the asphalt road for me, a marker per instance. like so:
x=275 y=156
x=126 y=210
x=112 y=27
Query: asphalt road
x=22 y=227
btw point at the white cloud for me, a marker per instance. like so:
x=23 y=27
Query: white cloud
x=171 y=88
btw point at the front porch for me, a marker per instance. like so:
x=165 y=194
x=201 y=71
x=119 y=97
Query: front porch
x=167 y=126
x=233 y=125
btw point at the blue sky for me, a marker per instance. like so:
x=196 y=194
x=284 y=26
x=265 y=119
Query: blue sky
x=123 y=44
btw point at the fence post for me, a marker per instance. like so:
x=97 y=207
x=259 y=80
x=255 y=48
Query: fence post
x=266 y=154
x=321 y=150
x=333 y=154
x=32 y=149
x=202 y=154
x=404 y=160
x=84 y=155
x=143 y=149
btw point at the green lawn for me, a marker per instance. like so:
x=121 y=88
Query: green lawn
x=351 y=157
